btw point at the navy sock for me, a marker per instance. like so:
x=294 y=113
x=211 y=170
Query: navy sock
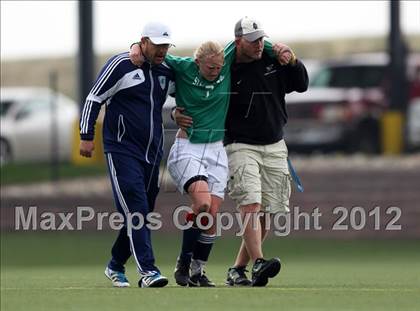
x=203 y=247
x=189 y=239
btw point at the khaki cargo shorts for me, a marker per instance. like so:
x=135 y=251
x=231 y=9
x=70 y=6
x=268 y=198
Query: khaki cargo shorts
x=259 y=174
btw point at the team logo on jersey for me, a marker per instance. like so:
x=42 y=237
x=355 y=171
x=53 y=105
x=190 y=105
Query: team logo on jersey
x=269 y=70
x=162 y=82
x=197 y=82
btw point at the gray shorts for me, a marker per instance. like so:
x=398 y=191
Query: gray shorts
x=259 y=174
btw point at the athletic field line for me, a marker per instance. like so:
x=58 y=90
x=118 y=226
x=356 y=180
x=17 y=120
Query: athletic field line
x=281 y=289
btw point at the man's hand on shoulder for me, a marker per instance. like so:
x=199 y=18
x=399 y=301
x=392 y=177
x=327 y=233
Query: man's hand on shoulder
x=284 y=54
x=136 y=55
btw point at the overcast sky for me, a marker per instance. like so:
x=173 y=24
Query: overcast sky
x=49 y=28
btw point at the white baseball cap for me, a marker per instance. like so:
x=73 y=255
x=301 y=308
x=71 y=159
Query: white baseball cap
x=249 y=28
x=158 y=33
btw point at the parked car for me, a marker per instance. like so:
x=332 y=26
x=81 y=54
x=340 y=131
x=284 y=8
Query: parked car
x=344 y=104
x=26 y=124
x=312 y=67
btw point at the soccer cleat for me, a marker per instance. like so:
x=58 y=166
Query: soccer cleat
x=181 y=273
x=117 y=278
x=263 y=270
x=200 y=280
x=153 y=280
x=236 y=277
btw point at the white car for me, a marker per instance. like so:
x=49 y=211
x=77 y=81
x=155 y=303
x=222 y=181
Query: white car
x=27 y=127
x=343 y=107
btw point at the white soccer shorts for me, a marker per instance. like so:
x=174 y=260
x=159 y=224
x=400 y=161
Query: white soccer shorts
x=188 y=162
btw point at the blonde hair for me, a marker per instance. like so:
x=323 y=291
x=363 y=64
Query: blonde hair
x=208 y=48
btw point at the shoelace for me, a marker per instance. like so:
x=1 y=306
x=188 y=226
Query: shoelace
x=119 y=276
x=241 y=272
x=258 y=264
x=153 y=275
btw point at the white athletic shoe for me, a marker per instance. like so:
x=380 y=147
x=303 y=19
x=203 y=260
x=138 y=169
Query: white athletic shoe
x=118 y=279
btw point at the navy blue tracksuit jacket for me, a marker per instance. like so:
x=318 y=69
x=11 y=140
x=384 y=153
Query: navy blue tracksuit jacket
x=133 y=142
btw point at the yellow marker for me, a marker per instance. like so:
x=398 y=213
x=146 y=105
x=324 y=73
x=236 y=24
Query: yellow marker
x=98 y=153
x=392 y=128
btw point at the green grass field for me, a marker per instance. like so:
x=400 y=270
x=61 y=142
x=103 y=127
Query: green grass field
x=64 y=271
x=35 y=172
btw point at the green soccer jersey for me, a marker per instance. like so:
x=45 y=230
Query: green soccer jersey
x=205 y=101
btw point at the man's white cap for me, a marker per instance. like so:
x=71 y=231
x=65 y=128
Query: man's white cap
x=158 y=33
x=249 y=28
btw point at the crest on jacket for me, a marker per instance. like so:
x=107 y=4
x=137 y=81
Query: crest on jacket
x=162 y=82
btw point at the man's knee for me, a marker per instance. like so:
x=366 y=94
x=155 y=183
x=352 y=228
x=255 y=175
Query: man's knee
x=250 y=208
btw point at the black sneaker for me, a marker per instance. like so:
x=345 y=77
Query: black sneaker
x=154 y=280
x=182 y=273
x=236 y=277
x=264 y=269
x=200 y=280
